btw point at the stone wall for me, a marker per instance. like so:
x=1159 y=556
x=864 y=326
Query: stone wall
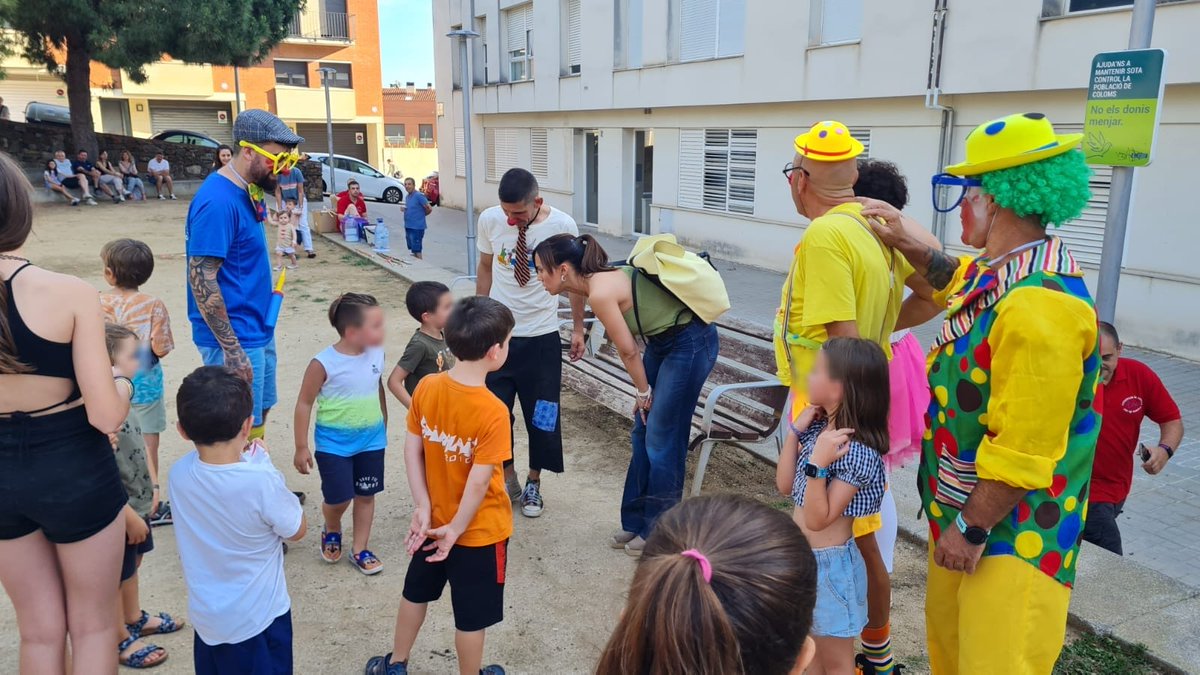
x=32 y=144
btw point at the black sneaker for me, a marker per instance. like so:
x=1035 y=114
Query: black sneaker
x=379 y=665
x=162 y=515
x=531 y=499
x=492 y=670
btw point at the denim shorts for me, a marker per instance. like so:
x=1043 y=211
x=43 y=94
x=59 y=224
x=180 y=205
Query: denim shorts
x=841 y=609
x=344 y=478
x=262 y=360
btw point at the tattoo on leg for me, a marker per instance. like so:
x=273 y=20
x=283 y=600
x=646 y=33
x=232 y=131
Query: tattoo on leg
x=939 y=268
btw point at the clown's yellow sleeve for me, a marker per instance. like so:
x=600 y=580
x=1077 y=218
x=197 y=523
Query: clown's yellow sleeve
x=1039 y=341
x=941 y=298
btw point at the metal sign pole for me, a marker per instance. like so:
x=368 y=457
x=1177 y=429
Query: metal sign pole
x=468 y=81
x=326 y=74
x=1141 y=28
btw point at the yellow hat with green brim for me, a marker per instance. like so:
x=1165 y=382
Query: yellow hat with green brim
x=828 y=141
x=1022 y=138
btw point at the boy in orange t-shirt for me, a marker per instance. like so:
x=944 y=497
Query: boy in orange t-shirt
x=458 y=441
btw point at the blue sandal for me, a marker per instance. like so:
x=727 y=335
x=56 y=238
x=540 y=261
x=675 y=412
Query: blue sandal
x=331 y=546
x=138 y=658
x=167 y=625
x=364 y=558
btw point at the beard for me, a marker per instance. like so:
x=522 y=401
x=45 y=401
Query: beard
x=262 y=176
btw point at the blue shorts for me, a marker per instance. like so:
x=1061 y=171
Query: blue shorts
x=414 y=238
x=262 y=360
x=841 y=609
x=343 y=478
x=268 y=653
x=129 y=565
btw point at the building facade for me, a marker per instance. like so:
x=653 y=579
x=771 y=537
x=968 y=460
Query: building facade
x=677 y=115
x=410 y=116
x=338 y=34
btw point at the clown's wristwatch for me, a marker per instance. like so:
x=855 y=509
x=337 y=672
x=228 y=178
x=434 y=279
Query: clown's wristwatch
x=975 y=536
x=813 y=471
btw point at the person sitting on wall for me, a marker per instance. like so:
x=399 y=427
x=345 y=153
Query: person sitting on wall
x=160 y=170
x=350 y=202
x=88 y=172
x=67 y=177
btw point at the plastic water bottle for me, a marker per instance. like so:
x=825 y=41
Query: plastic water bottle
x=381 y=235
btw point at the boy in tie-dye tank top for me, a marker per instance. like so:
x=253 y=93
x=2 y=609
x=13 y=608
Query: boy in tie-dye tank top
x=344 y=383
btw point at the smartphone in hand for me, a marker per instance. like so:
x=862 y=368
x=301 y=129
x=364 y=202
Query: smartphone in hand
x=1144 y=452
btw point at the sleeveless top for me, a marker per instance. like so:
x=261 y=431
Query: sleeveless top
x=349 y=416
x=657 y=310
x=48 y=358
x=1046 y=526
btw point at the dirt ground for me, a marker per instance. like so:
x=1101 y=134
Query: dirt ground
x=566 y=587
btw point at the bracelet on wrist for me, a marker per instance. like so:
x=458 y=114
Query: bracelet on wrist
x=643 y=395
x=1169 y=449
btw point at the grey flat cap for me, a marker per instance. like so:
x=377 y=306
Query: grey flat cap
x=260 y=126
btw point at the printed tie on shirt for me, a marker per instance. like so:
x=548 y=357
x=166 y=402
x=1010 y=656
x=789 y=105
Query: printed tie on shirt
x=520 y=258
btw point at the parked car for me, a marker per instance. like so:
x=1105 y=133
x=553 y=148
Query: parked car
x=47 y=113
x=186 y=137
x=373 y=182
x=431 y=187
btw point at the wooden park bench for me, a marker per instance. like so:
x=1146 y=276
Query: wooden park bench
x=741 y=403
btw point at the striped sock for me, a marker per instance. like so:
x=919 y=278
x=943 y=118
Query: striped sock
x=877 y=648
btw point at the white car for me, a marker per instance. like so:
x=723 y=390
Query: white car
x=372 y=181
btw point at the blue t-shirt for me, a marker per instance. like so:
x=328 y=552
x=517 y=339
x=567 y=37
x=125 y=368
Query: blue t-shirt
x=290 y=184
x=221 y=223
x=414 y=210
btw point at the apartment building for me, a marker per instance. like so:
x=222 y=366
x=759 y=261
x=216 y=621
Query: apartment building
x=338 y=34
x=410 y=116
x=648 y=116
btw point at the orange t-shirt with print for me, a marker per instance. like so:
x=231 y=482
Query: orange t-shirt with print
x=461 y=426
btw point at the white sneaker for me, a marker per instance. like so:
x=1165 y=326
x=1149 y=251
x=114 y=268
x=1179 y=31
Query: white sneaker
x=122 y=197
x=620 y=538
x=172 y=196
x=74 y=202
x=635 y=546
x=162 y=196
x=90 y=201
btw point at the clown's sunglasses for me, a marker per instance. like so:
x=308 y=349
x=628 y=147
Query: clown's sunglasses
x=284 y=161
x=945 y=180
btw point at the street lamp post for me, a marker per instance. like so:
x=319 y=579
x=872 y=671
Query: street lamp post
x=327 y=75
x=463 y=37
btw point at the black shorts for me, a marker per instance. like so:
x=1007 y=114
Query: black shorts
x=476 y=576
x=72 y=182
x=129 y=566
x=343 y=478
x=58 y=475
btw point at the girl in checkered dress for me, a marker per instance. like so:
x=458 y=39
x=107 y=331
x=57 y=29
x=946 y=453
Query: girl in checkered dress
x=832 y=467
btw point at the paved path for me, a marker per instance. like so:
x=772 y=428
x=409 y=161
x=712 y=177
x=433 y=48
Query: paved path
x=1161 y=523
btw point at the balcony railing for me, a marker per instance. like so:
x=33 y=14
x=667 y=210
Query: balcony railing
x=334 y=26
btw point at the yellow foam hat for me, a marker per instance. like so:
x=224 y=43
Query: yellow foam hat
x=1021 y=138
x=828 y=141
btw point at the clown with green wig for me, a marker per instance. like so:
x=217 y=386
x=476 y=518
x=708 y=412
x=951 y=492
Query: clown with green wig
x=1007 y=457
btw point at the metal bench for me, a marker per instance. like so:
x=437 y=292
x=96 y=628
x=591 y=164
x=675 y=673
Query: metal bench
x=741 y=403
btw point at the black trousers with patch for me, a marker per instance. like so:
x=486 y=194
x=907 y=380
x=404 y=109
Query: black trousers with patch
x=1101 y=528
x=533 y=375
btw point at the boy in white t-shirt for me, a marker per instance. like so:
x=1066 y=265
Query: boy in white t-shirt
x=508 y=233
x=232 y=511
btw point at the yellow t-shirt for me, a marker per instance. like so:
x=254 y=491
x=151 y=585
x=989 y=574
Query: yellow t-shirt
x=841 y=272
x=461 y=426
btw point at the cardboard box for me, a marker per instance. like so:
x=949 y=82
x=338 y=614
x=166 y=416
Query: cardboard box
x=324 y=222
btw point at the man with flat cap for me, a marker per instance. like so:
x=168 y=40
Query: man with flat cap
x=229 y=268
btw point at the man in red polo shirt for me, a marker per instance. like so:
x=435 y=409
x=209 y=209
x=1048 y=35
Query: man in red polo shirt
x=1132 y=392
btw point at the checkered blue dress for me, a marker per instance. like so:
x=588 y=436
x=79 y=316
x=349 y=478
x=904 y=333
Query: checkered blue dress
x=862 y=467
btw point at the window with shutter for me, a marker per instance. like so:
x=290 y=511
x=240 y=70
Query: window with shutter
x=501 y=151
x=863 y=134
x=834 y=22
x=539 y=155
x=1085 y=234
x=710 y=29
x=519 y=42
x=480 y=67
x=717 y=169
x=460 y=155
x=574 y=56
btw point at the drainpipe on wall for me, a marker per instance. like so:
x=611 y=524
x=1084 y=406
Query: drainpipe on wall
x=933 y=93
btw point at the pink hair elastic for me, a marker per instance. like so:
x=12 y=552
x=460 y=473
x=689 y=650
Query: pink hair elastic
x=705 y=566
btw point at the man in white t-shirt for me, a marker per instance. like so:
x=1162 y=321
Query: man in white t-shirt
x=160 y=171
x=508 y=233
x=232 y=511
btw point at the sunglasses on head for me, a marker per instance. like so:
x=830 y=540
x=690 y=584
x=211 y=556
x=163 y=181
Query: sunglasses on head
x=945 y=180
x=284 y=161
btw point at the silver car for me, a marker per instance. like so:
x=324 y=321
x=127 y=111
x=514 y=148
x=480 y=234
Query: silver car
x=372 y=181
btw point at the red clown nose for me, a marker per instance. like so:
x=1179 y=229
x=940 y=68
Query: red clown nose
x=513 y=222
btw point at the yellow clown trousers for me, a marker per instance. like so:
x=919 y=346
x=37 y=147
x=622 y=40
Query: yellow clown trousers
x=1007 y=618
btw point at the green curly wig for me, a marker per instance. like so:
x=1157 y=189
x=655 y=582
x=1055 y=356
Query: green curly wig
x=1054 y=189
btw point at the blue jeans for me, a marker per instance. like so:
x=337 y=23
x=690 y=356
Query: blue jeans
x=676 y=366
x=268 y=653
x=262 y=361
x=414 y=238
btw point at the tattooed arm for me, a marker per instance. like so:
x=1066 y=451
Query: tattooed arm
x=933 y=265
x=202 y=278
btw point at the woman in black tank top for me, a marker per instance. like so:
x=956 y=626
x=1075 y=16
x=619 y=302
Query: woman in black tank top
x=61 y=535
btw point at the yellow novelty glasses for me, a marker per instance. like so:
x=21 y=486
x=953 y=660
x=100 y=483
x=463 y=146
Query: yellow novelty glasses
x=284 y=161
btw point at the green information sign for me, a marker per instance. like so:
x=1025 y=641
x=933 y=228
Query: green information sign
x=1124 y=99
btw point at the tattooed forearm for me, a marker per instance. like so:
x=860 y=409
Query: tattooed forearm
x=202 y=277
x=939 y=268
